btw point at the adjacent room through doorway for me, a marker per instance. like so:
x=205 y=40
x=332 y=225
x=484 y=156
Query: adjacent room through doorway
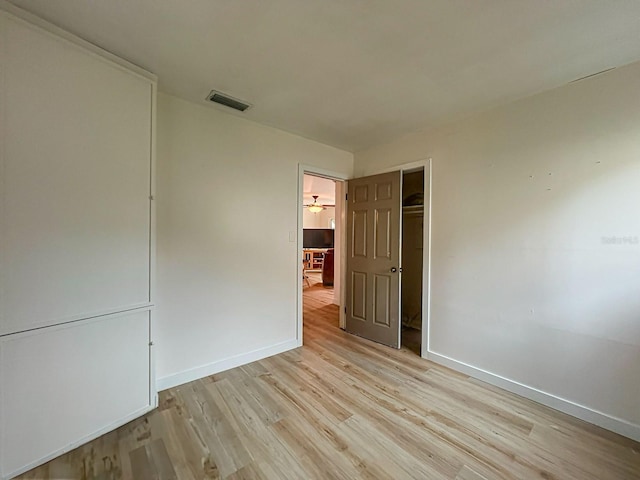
x=320 y=240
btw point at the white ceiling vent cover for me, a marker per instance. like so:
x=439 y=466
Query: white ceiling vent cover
x=228 y=101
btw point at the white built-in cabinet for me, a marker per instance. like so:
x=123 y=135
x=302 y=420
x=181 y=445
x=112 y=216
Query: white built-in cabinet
x=76 y=242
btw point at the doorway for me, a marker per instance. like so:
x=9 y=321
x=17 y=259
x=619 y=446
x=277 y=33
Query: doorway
x=320 y=246
x=412 y=249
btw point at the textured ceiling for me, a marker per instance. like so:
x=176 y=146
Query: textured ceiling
x=354 y=73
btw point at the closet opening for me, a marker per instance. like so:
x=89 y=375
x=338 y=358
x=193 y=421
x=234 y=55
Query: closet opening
x=413 y=205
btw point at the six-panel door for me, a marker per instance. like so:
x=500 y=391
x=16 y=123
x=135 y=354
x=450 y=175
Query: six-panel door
x=373 y=258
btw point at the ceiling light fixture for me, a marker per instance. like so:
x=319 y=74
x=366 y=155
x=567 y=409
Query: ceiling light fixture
x=315 y=207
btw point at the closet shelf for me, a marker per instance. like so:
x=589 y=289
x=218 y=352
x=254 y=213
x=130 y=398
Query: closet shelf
x=413 y=208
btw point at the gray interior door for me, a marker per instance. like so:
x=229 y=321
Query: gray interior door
x=373 y=258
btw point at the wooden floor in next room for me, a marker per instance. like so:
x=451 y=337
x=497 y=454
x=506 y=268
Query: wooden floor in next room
x=342 y=407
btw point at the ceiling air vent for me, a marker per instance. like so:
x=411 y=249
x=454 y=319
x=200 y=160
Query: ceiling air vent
x=227 y=101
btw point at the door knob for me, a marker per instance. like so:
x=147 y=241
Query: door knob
x=394 y=269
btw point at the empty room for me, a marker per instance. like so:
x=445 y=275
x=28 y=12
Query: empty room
x=319 y=239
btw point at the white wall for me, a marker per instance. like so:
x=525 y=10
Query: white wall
x=226 y=203
x=535 y=253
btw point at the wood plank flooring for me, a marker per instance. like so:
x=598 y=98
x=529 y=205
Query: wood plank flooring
x=344 y=408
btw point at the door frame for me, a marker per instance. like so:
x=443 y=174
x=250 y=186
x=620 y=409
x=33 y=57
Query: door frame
x=340 y=217
x=426 y=165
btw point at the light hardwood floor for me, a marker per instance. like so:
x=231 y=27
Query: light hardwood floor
x=342 y=407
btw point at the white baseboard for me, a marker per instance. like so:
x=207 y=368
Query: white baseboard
x=587 y=414
x=224 y=364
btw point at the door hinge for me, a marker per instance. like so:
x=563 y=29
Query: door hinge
x=346 y=196
x=345 y=310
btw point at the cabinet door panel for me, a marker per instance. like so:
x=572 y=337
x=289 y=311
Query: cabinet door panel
x=61 y=385
x=74 y=212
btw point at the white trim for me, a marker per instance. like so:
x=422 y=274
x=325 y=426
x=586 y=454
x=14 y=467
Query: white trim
x=54 y=322
x=312 y=170
x=77 y=443
x=34 y=21
x=323 y=172
x=426 y=269
x=192 y=374
x=400 y=203
x=153 y=392
x=81 y=321
x=587 y=414
x=342 y=315
x=405 y=166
